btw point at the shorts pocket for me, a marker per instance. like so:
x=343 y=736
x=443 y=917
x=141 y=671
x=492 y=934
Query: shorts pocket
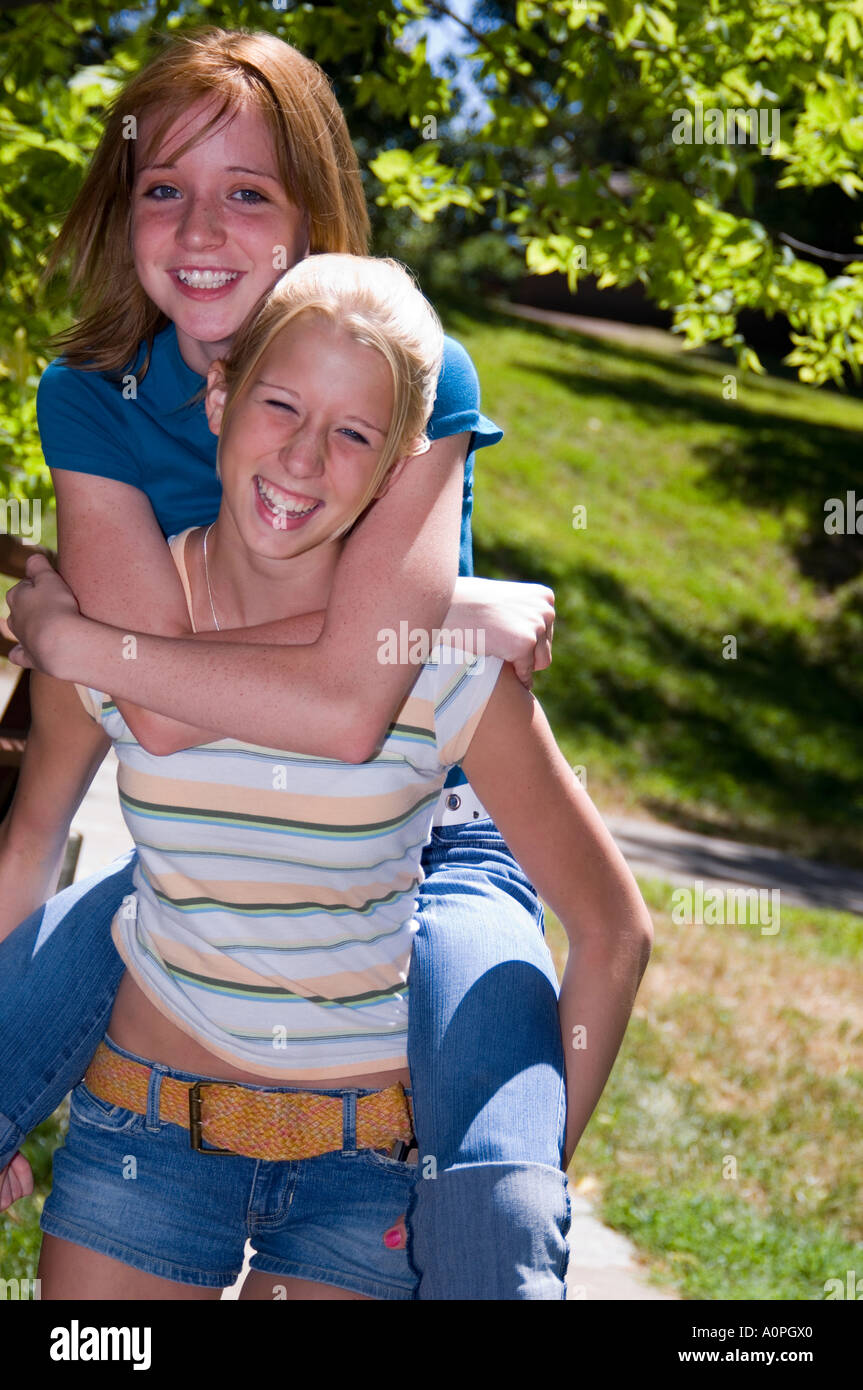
x=88 y=1109
x=381 y=1159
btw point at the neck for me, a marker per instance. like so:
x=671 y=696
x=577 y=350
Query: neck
x=249 y=588
x=200 y=356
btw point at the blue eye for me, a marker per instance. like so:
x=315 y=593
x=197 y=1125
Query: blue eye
x=355 y=434
x=158 y=189
x=254 y=195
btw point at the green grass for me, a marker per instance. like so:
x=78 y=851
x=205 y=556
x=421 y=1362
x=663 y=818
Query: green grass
x=20 y=1237
x=727 y=1144
x=704 y=521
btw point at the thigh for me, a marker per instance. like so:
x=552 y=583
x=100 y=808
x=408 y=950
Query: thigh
x=484 y=1043
x=59 y=972
x=69 y=1271
x=276 y=1288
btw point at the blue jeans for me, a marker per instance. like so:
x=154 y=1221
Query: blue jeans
x=130 y=1186
x=490 y=1212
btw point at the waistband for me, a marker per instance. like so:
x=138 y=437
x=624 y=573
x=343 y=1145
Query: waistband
x=458 y=805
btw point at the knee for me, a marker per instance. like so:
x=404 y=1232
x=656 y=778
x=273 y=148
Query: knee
x=491 y=1231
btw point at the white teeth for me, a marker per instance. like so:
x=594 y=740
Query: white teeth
x=207 y=279
x=277 y=502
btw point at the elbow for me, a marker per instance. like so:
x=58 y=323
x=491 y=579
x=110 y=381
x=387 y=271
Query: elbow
x=642 y=935
x=149 y=732
x=645 y=940
x=355 y=748
x=357 y=733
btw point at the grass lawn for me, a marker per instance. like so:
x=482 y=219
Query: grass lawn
x=727 y=1144
x=704 y=522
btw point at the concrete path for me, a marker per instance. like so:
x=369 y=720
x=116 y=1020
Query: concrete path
x=602 y=1263
x=635 y=335
x=662 y=851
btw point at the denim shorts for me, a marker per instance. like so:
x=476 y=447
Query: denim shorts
x=130 y=1186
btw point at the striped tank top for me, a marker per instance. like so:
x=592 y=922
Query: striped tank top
x=273 y=912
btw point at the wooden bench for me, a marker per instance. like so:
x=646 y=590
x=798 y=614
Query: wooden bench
x=15 y=719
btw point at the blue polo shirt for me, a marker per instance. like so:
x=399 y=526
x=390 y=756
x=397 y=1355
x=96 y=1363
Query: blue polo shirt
x=153 y=434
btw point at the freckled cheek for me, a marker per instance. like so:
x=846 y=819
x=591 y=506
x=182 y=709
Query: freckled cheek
x=148 y=234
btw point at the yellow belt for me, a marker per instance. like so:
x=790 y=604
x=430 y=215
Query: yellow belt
x=257 y=1124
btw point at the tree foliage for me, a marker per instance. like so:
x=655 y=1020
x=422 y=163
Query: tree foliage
x=576 y=92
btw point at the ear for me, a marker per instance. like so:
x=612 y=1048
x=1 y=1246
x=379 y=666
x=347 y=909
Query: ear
x=217 y=393
x=394 y=473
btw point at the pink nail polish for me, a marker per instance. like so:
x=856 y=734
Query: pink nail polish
x=392 y=1239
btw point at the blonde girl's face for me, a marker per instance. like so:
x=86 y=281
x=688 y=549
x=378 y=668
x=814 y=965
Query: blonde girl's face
x=212 y=229
x=303 y=440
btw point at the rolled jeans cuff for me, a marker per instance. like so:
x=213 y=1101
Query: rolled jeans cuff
x=11 y=1139
x=524 y=1218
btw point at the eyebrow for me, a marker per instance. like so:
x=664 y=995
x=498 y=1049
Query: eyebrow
x=274 y=386
x=231 y=169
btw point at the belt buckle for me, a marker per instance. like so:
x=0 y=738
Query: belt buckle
x=196 y=1123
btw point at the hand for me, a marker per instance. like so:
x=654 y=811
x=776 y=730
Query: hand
x=396 y=1238
x=517 y=621
x=16 y=1180
x=38 y=605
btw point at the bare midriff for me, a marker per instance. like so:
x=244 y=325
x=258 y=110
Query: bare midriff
x=138 y=1026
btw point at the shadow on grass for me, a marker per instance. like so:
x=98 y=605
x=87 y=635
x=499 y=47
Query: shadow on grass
x=616 y=660
x=761 y=457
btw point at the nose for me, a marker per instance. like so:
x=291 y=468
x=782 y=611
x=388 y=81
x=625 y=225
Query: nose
x=302 y=456
x=201 y=225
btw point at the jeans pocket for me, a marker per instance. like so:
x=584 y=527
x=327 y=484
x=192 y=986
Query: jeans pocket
x=381 y=1159
x=88 y=1109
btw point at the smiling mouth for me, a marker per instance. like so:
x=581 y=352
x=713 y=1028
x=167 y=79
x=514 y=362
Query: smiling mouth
x=282 y=503
x=199 y=279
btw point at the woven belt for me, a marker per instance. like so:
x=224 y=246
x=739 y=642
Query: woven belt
x=256 y=1124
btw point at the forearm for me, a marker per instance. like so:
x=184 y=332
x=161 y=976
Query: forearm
x=610 y=934
x=164 y=734
x=29 y=869
x=215 y=686
x=598 y=991
x=64 y=749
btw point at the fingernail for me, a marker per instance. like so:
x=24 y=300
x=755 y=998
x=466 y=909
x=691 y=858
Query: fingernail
x=392 y=1239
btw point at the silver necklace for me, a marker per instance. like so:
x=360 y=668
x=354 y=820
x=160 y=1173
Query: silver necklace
x=207 y=576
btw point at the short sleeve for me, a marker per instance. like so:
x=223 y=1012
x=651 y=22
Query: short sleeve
x=457 y=402
x=91 y=700
x=464 y=684
x=82 y=424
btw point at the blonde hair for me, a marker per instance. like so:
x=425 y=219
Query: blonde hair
x=376 y=301
x=316 y=160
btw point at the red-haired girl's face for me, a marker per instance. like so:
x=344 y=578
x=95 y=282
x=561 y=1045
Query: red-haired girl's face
x=214 y=229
